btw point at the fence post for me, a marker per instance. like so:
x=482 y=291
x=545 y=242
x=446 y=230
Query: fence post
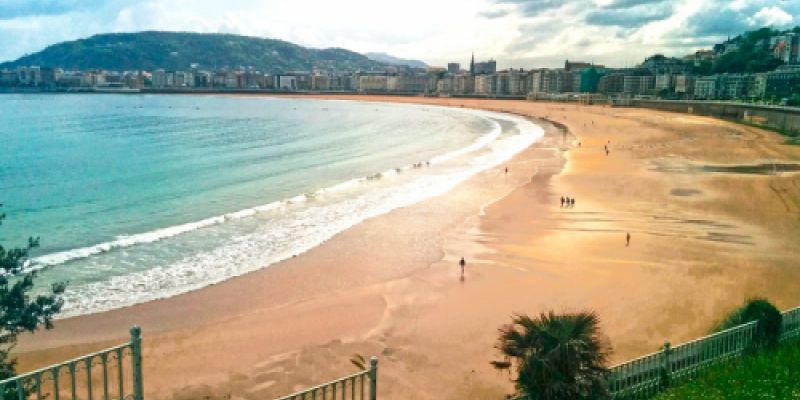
x=666 y=366
x=136 y=361
x=373 y=378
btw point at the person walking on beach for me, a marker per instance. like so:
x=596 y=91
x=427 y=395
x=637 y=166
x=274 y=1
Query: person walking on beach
x=562 y=201
x=572 y=202
x=462 y=263
x=506 y=170
x=627 y=239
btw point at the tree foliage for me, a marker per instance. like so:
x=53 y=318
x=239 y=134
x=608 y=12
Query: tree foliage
x=753 y=54
x=179 y=50
x=556 y=356
x=19 y=310
x=768 y=328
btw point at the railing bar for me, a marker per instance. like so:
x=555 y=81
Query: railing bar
x=104 y=361
x=78 y=359
x=73 y=387
x=309 y=390
x=38 y=386
x=56 y=389
x=90 y=395
x=20 y=389
x=352 y=388
x=728 y=346
x=119 y=374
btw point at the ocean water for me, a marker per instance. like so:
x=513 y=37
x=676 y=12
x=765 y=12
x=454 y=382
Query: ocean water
x=139 y=197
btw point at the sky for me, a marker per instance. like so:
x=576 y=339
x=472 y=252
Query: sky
x=516 y=33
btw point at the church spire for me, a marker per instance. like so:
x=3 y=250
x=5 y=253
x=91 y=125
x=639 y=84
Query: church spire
x=472 y=65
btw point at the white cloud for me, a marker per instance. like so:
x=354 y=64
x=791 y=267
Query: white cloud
x=772 y=16
x=518 y=33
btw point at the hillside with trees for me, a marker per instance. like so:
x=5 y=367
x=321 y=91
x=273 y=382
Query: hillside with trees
x=182 y=50
x=752 y=54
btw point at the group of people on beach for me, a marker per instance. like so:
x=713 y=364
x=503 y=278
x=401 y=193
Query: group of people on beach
x=606 y=147
x=567 y=202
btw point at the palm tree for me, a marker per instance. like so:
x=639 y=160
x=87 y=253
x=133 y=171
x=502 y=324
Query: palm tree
x=556 y=356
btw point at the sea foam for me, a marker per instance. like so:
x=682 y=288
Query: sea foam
x=259 y=236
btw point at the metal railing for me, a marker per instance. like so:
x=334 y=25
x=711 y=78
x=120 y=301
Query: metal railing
x=645 y=376
x=113 y=373
x=338 y=389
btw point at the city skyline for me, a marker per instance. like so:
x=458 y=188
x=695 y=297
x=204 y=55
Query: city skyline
x=516 y=33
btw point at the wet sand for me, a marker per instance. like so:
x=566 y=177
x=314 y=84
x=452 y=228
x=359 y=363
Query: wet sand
x=705 y=236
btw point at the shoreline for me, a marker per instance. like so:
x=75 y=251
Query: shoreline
x=29 y=347
x=489 y=146
x=524 y=254
x=176 y=316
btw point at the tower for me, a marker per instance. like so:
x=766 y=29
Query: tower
x=472 y=65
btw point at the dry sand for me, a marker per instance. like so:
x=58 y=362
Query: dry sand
x=701 y=243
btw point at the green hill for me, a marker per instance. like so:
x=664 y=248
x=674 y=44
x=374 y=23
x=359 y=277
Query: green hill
x=752 y=55
x=179 y=50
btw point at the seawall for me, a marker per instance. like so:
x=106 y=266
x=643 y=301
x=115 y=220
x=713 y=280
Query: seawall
x=785 y=119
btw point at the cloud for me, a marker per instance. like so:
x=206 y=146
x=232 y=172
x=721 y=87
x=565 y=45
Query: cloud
x=773 y=16
x=530 y=8
x=631 y=17
x=497 y=13
x=517 y=33
x=10 y=9
x=720 y=18
x=619 y=4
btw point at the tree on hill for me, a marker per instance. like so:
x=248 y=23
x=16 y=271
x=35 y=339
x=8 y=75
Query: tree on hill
x=180 y=50
x=556 y=356
x=19 y=311
x=753 y=54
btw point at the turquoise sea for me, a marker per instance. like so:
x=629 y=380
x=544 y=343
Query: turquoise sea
x=140 y=197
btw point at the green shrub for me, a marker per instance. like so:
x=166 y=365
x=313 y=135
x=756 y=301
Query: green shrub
x=768 y=328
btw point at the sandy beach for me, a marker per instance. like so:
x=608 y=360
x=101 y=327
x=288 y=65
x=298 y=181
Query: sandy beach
x=705 y=235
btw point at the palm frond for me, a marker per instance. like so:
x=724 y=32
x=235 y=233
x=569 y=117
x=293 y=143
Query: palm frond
x=359 y=361
x=556 y=356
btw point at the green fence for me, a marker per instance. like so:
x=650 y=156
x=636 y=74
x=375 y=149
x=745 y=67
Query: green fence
x=356 y=386
x=643 y=377
x=113 y=373
x=116 y=373
x=646 y=376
